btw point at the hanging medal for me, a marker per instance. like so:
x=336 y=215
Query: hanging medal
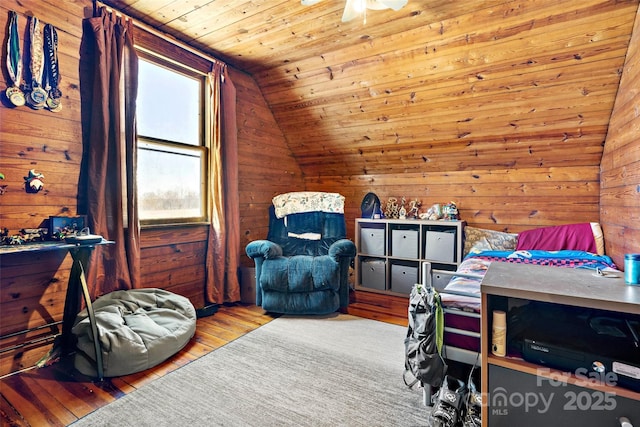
x=52 y=74
x=14 y=62
x=38 y=95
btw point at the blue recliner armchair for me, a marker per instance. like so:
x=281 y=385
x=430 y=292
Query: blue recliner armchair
x=303 y=266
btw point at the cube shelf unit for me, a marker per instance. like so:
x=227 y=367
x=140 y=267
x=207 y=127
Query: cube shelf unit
x=390 y=252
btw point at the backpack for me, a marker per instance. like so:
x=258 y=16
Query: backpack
x=423 y=344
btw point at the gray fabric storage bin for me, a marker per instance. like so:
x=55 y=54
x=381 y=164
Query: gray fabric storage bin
x=372 y=241
x=373 y=274
x=439 y=246
x=440 y=280
x=403 y=277
x=404 y=243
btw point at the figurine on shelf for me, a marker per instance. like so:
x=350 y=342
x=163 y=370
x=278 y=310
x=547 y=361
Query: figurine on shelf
x=4 y=236
x=33 y=234
x=16 y=239
x=402 y=212
x=392 y=208
x=414 y=208
x=434 y=213
x=450 y=212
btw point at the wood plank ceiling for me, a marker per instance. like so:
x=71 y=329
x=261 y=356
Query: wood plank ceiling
x=441 y=85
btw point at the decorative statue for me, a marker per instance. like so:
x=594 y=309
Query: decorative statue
x=392 y=208
x=414 y=207
x=402 y=213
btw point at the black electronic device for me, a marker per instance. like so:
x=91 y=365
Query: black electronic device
x=83 y=237
x=370 y=206
x=592 y=345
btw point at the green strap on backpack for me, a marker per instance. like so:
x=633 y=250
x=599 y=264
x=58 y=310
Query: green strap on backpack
x=439 y=322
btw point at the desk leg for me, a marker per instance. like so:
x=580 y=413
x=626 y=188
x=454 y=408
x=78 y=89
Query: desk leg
x=93 y=323
x=72 y=298
x=77 y=285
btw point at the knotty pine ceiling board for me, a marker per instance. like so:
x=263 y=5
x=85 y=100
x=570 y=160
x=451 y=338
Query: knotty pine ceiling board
x=439 y=85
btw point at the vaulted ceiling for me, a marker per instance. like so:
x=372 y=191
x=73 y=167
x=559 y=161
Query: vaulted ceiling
x=441 y=85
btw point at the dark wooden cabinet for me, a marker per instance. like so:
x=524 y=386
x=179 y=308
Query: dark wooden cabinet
x=517 y=392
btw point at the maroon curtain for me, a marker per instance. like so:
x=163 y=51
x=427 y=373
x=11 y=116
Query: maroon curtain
x=107 y=188
x=223 y=245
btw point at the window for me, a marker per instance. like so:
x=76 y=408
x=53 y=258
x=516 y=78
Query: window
x=172 y=149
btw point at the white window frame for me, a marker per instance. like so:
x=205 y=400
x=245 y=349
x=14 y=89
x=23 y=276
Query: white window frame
x=166 y=146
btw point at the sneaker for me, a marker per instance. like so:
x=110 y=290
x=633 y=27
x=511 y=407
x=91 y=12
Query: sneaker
x=448 y=403
x=474 y=407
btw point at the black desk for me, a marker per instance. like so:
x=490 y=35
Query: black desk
x=80 y=254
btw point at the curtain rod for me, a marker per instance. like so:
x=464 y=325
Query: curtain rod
x=158 y=33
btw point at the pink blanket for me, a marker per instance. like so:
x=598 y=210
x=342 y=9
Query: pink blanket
x=563 y=237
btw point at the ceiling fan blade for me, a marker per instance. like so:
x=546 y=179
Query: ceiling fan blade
x=352 y=9
x=369 y=4
x=355 y=8
x=389 y=4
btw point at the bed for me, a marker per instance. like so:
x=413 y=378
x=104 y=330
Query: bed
x=566 y=246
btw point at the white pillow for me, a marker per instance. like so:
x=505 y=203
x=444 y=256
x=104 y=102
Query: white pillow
x=598 y=237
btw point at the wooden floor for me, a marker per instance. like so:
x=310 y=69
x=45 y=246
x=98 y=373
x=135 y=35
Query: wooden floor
x=58 y=395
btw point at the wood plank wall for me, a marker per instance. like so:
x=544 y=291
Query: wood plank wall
x=545 y=172
x=620 y=167
x=266 y=165
x=506 y=199
x=32 y=288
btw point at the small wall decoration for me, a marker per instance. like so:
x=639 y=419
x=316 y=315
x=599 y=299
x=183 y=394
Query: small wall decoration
x=43 y=88
x=37 y=96
x=14 y=63
x=33 y=181
x=52 y=74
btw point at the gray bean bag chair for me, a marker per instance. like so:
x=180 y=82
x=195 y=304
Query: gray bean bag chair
x=138 y=329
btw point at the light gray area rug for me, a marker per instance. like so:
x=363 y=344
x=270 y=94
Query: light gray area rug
x=338 y=370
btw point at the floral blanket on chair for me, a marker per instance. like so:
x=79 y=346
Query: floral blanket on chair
x=307 y=201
